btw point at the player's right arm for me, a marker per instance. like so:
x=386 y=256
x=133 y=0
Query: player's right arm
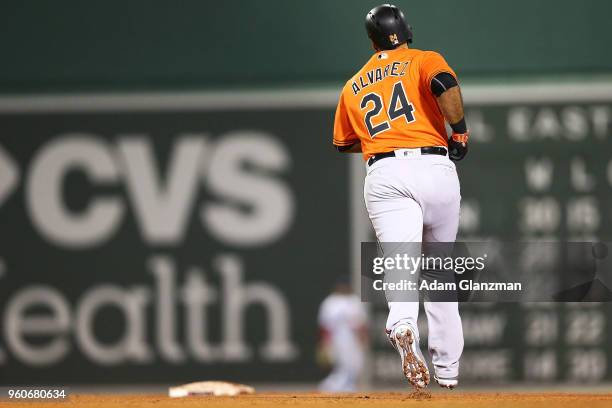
x=451 y=106
x=345 y=138
x=451 y=103
x=442 y=81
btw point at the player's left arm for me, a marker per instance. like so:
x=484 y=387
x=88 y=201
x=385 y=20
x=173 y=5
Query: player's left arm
x=345 y=138
x=354 y=148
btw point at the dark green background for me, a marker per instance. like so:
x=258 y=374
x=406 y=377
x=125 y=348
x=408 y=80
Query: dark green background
x=73 y=45
x=303 y=263
x=308 y=259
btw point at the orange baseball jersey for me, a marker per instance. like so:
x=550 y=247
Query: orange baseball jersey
x=389 y=105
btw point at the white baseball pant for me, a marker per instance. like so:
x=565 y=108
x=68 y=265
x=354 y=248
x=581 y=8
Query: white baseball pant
x=415 y=198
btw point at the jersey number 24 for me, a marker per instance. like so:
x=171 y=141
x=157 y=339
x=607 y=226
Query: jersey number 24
x=398 y=106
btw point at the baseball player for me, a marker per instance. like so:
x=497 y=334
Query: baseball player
x=393 y=111
x=342 y=323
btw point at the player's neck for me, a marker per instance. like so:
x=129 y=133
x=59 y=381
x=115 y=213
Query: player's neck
x=403 y=46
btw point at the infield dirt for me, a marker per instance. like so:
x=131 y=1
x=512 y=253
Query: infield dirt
x=449 y=399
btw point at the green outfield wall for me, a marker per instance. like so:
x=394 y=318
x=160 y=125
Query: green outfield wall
x=167 y=224
x=174 y=237
x=72 y=45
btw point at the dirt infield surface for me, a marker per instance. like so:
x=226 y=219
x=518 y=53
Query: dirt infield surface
x=449 y=399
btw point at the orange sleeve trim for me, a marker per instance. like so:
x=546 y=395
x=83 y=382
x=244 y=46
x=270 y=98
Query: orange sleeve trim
x=345 y=142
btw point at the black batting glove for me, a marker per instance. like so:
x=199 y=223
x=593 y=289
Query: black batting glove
x=457 y=146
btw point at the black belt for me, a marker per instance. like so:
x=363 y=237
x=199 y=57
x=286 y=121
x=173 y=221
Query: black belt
x=424 y=150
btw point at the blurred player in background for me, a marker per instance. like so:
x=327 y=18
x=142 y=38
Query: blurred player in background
x=343 y=331
x=393 y=111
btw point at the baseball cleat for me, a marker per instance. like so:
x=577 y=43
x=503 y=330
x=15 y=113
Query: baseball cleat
x=413 y=364
x=449 y=383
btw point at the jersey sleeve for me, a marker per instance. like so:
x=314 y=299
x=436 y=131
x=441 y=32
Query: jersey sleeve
x=431 y=65
x=323 y=317
x=344 y=134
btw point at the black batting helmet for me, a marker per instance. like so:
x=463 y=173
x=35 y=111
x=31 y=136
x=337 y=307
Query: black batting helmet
x=387 y=27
